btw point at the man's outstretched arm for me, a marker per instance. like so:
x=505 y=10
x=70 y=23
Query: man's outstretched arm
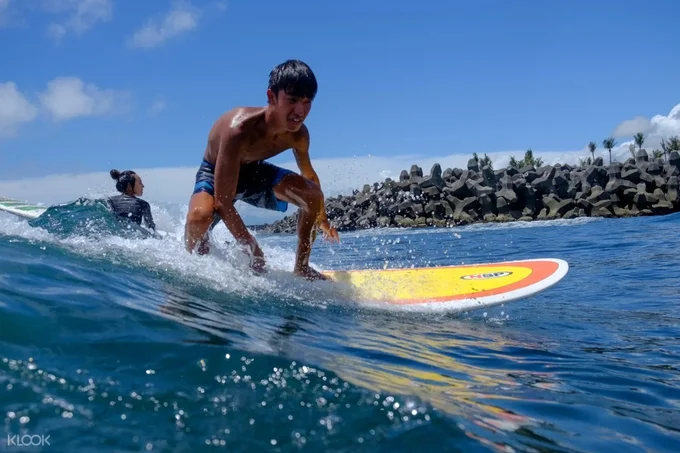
x=301 y=152
x=227 y=169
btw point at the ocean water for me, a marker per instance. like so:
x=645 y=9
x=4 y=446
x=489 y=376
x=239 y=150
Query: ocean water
x=112 y=341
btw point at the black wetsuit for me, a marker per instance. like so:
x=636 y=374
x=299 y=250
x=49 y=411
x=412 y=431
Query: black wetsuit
x=132 y=208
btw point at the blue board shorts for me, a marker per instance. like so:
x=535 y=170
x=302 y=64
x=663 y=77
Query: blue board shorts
x=256 y=181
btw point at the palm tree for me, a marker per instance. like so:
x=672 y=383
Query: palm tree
x=639 y=139
x=513 y=162
x=670 y=145
x=585 y=162
x=665 y=146
x=592 y=146
x=656 y=154
x=609 y=143
x=485 y=161
x=674 y=142
x=631 y=148
x=529 y=159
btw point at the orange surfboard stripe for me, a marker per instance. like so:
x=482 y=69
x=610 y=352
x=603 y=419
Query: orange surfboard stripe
x=539 y=271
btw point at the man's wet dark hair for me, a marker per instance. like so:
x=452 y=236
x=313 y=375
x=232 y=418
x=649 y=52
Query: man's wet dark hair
x=295 y=78
x=123 y=179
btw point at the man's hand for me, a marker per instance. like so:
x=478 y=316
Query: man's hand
x=329 y=232
x=257 y=261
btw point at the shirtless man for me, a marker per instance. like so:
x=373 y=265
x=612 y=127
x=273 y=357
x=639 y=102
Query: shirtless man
x=234 y=168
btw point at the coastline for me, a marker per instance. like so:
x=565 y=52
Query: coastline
x=636 y=187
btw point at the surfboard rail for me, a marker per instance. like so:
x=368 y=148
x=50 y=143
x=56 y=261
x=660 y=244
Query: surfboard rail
x=456 y=286
x=20 y=208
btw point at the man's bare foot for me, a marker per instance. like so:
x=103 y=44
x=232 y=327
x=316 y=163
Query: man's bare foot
x=311 y=274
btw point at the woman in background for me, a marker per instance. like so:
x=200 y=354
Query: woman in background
x=127 y=205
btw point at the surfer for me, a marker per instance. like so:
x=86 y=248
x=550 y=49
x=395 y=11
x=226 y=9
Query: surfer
x=234 y=168
x=127 y=205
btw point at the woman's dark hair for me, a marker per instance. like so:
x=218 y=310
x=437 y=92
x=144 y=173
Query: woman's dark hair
x=124 y=179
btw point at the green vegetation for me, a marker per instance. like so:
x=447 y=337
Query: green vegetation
x=670 y=145
x=609 y=143
x=483 y=162
x=585 y=162
x=592 y=146
x=529 y=159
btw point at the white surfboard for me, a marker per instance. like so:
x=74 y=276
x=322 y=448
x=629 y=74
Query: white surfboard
x=20 y=208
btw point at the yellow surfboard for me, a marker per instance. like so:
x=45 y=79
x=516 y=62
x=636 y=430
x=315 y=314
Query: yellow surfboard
x=453 y=287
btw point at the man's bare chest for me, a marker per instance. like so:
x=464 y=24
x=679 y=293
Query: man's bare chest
x=260 y=150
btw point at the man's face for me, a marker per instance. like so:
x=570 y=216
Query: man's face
x=290 y=110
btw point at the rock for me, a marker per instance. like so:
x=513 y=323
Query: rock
x=672 y=191
x=473 y=165
x=477 y=189
x=543 y=184
x=557 y=207
x=486 y=205
x=457 y=196
x=434 y=179
x=507 y=190
x=672 y=167
x=632 y=175
x=615 y=184
x=458 y=189
x=488 y=177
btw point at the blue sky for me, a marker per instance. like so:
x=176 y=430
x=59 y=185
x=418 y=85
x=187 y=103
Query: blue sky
x=87 y=85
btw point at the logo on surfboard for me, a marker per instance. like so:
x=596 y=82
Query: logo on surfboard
x=486 y=276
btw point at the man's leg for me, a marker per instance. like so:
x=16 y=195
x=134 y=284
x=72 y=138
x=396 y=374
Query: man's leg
x=307 y=196
x=199 y=218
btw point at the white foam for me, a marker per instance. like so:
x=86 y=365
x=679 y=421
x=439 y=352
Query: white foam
x=226 y=269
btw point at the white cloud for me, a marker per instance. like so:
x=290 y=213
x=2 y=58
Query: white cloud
x=631 y=127
x=182 y=18
x=81 y=15
x=69 y=97
x=15 y=109
x=656 y=128
x=337 y=175
x=175 y=184
x=4 y=9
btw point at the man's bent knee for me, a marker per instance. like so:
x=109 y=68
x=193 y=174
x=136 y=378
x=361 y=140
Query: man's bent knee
x=200 y=215
x=313 y=197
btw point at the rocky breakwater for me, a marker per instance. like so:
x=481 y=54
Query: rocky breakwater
x=636 y=187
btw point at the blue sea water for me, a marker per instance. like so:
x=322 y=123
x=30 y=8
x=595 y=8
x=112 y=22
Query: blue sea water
x=119 y=342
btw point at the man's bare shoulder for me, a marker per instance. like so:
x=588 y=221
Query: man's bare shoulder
x=236 y=122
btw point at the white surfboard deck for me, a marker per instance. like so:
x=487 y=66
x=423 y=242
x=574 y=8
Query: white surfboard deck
x=20 y=208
